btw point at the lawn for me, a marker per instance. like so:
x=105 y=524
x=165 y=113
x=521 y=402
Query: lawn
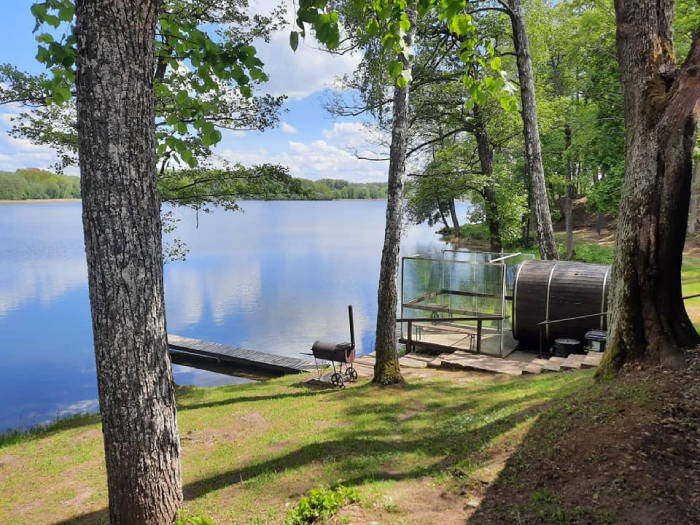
x=249 y=452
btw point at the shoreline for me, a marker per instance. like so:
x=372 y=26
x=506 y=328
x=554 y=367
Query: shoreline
x=37 y=201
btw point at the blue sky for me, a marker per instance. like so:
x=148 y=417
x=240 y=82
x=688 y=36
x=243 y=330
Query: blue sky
x=308 y=140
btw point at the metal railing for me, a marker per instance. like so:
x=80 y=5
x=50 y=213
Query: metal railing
x=479 y=319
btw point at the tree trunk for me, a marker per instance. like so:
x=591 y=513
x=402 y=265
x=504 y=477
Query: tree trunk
x=386 y=367
x=648 y=318
x=568 y=204
x=442 y=215
x=455 y=220
x=533 y=150
x=485 y=152
x=694 y=199
x=121 y=222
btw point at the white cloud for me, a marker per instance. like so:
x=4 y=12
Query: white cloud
x=334 y=156
x=288 y=128
x=309 y=69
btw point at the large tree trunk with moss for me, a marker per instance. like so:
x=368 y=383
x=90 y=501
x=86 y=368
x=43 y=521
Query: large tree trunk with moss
x=648 y=318
x=533 y=149
x=386 y=367
x=121 y=221
x=485 y=152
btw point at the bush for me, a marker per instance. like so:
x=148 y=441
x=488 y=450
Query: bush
x=321 y=504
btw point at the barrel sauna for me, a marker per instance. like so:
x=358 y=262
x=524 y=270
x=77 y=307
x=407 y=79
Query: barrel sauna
x=551 y=290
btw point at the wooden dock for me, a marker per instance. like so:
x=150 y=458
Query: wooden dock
x=240 y=357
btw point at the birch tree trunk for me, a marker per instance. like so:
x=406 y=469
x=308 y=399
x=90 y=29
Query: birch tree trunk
x=386 y=367
x=121 y=222
x=648 y=318
x=533 y=149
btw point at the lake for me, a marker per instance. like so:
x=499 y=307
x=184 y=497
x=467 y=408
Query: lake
x=273 y=278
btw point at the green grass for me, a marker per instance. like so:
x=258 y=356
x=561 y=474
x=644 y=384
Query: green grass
x=250 y=452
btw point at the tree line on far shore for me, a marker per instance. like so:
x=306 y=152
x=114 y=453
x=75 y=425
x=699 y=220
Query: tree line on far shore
x=266 y=182
x=38 y=184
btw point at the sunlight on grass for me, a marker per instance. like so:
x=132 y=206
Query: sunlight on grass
x=250 y=451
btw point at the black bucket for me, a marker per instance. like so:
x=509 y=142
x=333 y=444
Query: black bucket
x=565 y=346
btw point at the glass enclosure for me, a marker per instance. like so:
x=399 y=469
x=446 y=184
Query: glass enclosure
x=461 y=301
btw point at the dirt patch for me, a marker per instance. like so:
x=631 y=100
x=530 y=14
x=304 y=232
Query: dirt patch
x=7 y=465
x=279 y=446
x=623 y=452
x=410 y=502
x=416 y=409
x=93 y=433
x=581 y=218
x=253 y=418
x=7 y=460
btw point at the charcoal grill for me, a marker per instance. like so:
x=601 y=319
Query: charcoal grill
x=340 y=355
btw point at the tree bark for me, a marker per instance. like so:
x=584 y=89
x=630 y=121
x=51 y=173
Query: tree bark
x=694 y=199
x=568 y=199
x=485 y=152
x=533 y=149
x=442 y=215
x=386 y=366
x=455 y=220
x=648 y=318
x=121 y=222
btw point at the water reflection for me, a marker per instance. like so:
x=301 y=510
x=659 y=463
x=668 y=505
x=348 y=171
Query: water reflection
x=274 y=279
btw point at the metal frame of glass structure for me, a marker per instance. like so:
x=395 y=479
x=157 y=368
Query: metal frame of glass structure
x=457 y=284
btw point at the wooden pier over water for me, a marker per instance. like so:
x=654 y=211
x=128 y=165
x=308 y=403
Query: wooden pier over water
x=239 y=358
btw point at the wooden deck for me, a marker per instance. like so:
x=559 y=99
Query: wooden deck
x=240 y=357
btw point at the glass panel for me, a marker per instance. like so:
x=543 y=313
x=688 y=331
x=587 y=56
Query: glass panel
x=439 y=291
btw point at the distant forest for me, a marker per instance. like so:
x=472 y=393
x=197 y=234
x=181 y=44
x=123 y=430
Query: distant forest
x=40 y=184
x=342 y=189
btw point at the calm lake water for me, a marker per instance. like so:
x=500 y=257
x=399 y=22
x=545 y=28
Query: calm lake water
x=274 y=278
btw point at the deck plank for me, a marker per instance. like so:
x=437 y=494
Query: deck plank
x=250 y=359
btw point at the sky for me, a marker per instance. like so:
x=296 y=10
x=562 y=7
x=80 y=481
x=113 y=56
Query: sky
x=308 y=140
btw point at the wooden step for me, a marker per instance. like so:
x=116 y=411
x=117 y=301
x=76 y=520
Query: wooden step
x=421 y=357
x=570 y=364
x=485 y=366
x=532 y=369
x=412 y=363
x=547 y=365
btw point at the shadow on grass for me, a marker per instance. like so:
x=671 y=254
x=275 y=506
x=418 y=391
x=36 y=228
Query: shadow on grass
x=404 y=439
x=250 y=399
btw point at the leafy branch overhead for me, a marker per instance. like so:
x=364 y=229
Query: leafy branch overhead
x=206 y=67
x=388 y=22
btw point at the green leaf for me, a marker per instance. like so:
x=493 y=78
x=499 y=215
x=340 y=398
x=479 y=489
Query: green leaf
x=372 y=27
x=294 y=40
x=496 y=63
x=45 y=38
x=66 y=12
x=182 y=97
x=404 y=23
x=61 y=94
x=395 y=68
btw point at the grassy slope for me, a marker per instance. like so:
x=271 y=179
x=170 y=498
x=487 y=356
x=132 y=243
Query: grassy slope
x=250 y=451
